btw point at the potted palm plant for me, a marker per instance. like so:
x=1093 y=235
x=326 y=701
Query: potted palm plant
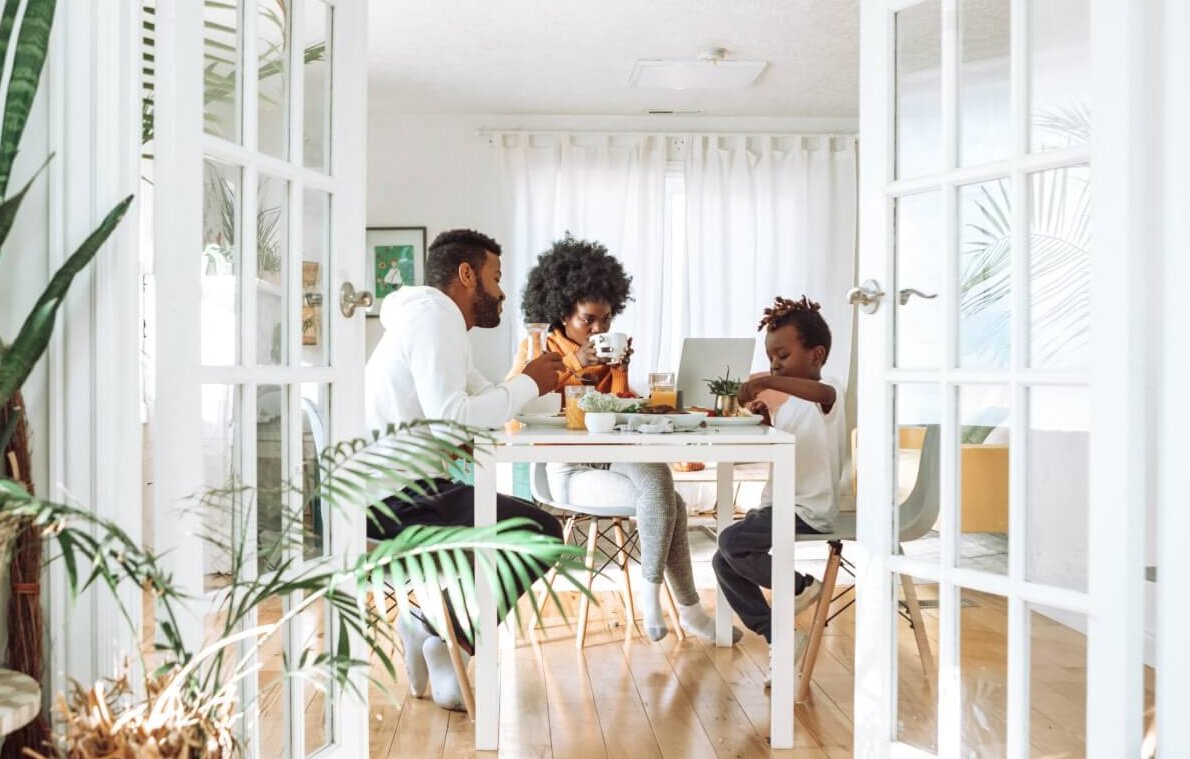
x=726 y=391
x=190 y=703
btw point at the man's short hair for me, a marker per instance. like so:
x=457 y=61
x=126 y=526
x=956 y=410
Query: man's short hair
x=451 y=249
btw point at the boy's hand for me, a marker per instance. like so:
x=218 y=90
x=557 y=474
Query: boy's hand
x=761 y=410
x=750 y=389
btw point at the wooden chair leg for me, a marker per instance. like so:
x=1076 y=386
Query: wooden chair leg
x=584 y=604
x=456 y=656
x=822 y=610
x=919 y=632
x=622 y=559
x=543 y=595
x=674 y=617
x=1148 y=744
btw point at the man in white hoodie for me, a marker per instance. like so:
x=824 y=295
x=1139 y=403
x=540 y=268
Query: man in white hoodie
x=422 y=368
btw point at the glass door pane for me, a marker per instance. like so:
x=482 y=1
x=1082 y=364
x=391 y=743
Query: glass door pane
x=919 y=89
x=985 y=126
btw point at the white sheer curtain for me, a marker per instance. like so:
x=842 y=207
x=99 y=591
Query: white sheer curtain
x=604 y=187
x=709 y=239
x=766 y=216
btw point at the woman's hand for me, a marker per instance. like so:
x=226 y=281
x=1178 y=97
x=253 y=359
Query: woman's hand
x=760 y=409
x=623 y=362
x=750 y=389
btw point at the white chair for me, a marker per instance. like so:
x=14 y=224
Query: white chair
x=624 y=542
x=916 y=517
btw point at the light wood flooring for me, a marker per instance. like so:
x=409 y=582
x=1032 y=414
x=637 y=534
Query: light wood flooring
x=691 y=699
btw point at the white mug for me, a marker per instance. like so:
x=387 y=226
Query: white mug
x=610 y=346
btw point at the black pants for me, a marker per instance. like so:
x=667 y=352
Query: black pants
x=452 y=504
x=743 y=566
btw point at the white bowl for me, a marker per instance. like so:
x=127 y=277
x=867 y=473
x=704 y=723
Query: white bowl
x=549 y=403
x=600 y=421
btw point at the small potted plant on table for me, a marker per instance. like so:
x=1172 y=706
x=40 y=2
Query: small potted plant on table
x=726 y=391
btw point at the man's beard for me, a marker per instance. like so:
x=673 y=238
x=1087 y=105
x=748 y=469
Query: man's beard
x=487 y=309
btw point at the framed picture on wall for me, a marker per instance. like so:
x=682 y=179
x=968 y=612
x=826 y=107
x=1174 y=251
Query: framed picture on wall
x=396 y=257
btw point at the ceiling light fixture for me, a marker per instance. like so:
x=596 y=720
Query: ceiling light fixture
x=712 y=70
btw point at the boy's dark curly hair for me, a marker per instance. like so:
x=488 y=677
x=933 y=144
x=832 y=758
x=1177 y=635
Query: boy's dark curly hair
x=802 y=314
x=572 y=271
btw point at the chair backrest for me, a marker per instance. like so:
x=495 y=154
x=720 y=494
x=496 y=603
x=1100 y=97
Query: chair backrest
x=919 y=510
x=539 y=484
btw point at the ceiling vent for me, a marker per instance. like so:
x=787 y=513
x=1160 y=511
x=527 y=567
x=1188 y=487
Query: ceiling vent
x=712 y=70
x=672 y=112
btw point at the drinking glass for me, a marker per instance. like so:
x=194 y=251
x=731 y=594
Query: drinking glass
x=662 y=389
x=538 y=333
x=576 y=418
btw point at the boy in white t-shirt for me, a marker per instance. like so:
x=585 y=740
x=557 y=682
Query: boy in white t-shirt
x=797 y=342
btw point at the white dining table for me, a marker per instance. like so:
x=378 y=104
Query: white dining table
x=722 y=445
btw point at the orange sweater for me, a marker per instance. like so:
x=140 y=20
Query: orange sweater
x=609 y=378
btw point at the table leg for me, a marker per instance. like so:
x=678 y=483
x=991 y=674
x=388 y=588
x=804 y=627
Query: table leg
x=487 y=648
x=783 y=674
x=724 y=511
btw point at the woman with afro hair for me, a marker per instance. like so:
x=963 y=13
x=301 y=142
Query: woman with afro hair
x=577 y=287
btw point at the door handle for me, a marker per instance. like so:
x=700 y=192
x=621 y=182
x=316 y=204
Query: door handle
x=904 y=295
x=867 y=296
x=349 y=299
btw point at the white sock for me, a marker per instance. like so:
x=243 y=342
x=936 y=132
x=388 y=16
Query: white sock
x=697 y=622
x=651 y=606
x=413 y=634
x=443 y=684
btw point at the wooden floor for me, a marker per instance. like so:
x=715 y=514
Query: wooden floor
x=691 y=699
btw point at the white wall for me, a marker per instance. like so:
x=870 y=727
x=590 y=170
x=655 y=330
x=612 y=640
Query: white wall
x=439 y=172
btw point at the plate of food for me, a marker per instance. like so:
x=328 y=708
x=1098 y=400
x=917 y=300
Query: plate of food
x=682 y=419
x=542 y=419
x=744 y=418
x=733 y=421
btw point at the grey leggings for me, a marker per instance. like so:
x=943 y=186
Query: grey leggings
x=660 y=514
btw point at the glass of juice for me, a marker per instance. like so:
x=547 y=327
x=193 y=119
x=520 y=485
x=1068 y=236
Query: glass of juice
x=662 y=389
x=576 y=418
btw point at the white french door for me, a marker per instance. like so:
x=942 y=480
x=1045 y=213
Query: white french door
x=999 y=371
x=258 y=187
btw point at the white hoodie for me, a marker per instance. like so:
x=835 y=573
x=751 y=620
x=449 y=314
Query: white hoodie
x=422 y=368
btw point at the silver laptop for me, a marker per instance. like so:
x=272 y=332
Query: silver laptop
x=706 y=358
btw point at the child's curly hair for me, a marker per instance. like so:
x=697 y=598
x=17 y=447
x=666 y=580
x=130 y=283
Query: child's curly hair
x=802 y=314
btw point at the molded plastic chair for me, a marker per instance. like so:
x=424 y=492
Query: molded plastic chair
x=916 y=517
x=590 y=516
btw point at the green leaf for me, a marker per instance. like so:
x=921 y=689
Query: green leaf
x=6 y=24
x=31 y=341
x=10 y=427
x=33 y=40
x=8 y=210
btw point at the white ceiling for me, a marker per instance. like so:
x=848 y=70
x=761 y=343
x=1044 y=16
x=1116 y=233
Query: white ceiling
x=575 y=56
